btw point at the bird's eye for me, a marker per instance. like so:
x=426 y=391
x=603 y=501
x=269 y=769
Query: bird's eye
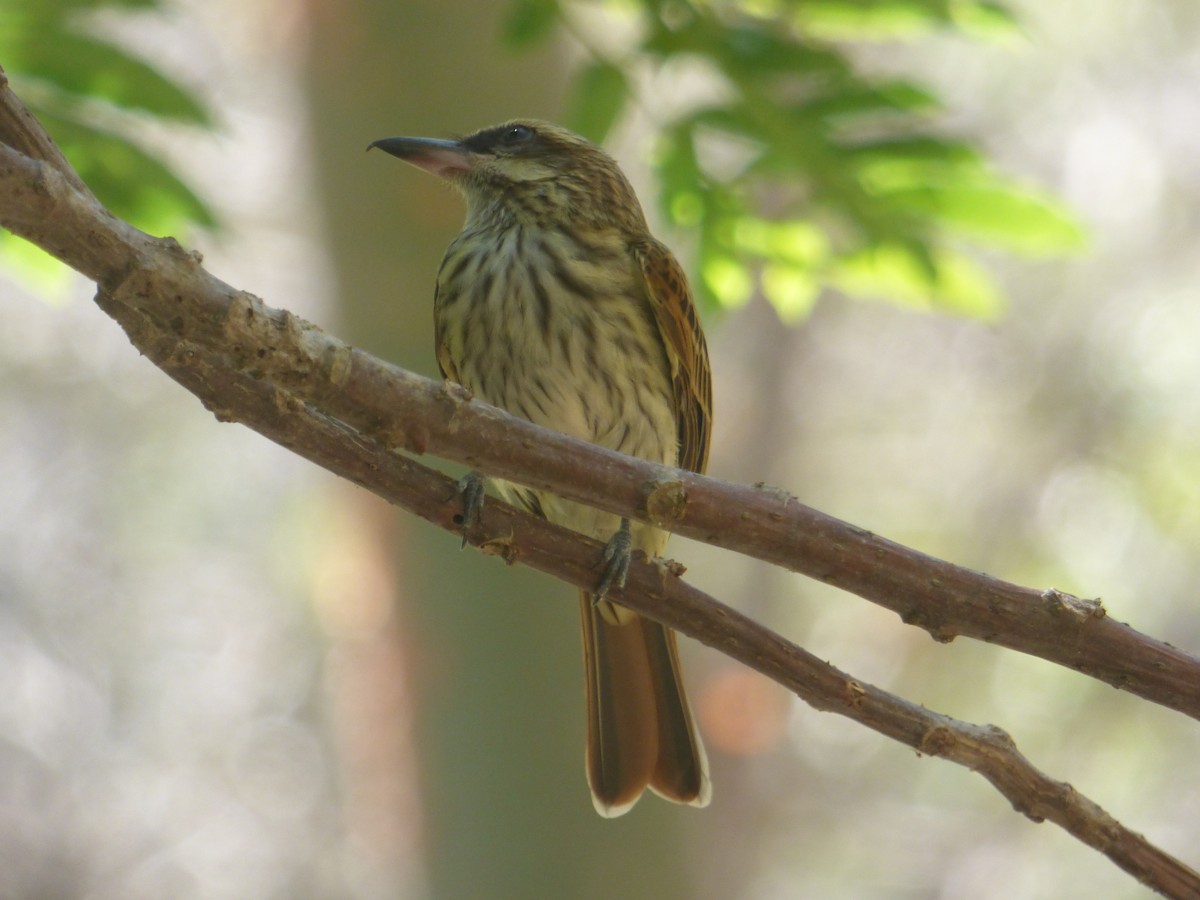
x=518 y=134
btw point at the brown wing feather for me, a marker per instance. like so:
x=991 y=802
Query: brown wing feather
x=687 y=353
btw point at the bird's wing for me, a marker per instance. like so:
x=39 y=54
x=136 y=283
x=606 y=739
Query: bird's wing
x=687 y=354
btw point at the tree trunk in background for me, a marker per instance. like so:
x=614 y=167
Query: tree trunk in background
x=492 y=653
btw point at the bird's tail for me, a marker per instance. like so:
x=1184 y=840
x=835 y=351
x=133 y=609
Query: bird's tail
x=640 y=731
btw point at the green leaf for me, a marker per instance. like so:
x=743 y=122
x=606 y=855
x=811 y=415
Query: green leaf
x=134 y=185
x=916 y=155
x=792 y=290
x=682 y=193
x=686 y=208
x=754 y=47
x=728 y=280
x=870 y=19
x=599 y=97
x=998 y=213
x=59 y=9
x=944 y=281
x=964 y=288
x=86 y=67
x=794 y=242
x=891 y=19
x=867 y=193
x=529 y=22
x=985 y=20
x=750 y=49
x=856 y=100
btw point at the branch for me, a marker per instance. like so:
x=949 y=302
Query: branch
x=405 y=411
x=347 y=411
x=655 y=590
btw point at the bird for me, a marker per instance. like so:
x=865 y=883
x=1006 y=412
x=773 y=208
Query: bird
x=556 y=304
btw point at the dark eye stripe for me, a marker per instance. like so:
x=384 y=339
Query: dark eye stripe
x=509 y=136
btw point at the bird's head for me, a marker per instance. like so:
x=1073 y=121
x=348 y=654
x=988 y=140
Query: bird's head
x=528 y=171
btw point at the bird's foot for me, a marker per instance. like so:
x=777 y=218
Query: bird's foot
x=618 y=553
x=470 y=486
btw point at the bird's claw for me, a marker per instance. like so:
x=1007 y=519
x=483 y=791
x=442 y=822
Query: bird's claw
x=470 y=486
x=618 y=553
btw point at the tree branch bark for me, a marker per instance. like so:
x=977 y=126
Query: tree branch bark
x=348 y=412
x=405 y=411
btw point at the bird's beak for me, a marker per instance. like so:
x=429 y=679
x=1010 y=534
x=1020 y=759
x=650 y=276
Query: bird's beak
x=443 y=158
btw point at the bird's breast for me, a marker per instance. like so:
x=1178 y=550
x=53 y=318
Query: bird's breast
x=556 y=327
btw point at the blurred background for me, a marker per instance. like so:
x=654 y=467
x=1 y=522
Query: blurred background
x=965 y=318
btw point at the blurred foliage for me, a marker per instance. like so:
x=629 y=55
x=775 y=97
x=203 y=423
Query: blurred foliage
x=94 y=97
x=798 y=172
